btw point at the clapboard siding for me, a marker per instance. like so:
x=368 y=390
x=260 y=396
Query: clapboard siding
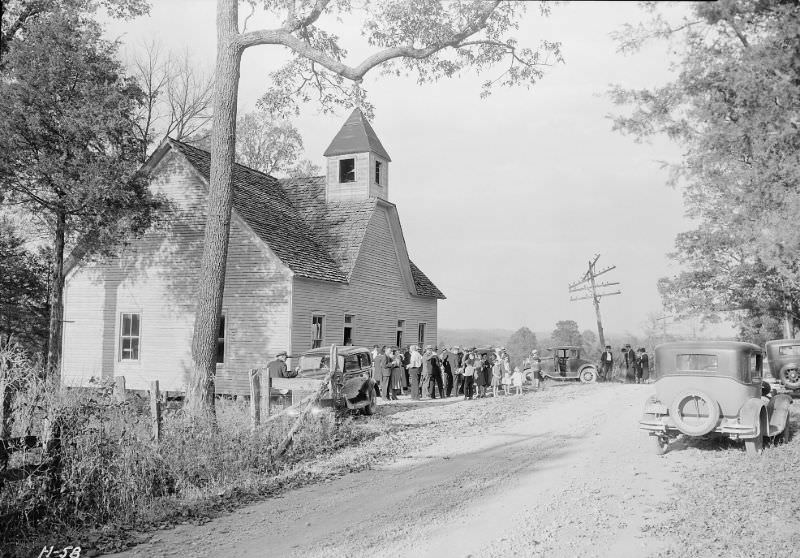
x=348 y=191
x=377 y=296
x=157 y=276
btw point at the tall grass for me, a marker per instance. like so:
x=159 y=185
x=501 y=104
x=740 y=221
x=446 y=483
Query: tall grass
x=109 y=472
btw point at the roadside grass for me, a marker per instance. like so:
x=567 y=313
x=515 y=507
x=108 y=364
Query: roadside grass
x=111 y=482
x=733 y=504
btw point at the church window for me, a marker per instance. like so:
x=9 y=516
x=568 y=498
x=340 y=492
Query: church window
x=347 y=170
x=317 y=330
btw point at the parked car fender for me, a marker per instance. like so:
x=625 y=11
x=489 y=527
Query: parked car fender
x=751 y=413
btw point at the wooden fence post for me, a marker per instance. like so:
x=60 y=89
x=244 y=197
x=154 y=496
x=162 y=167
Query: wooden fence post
x=155 y=410
x=268 y=395
x=255 y=398
x=119 y=388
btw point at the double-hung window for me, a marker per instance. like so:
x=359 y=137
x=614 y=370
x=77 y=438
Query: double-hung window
x=317 y=330
x=130 y=338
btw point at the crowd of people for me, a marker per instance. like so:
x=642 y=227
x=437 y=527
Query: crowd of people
x=472 y=373
x=633 y=365
x=449 y=372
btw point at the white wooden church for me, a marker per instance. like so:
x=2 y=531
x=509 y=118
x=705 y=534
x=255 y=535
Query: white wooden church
x=312 y=261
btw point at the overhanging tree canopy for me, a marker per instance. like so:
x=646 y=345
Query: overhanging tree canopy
x=735 y=107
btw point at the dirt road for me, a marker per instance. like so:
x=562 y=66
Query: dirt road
x=564 y=473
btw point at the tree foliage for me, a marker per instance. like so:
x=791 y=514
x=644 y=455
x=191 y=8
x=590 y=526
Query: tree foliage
x=68 y=149
x=567 y=333
x=23 y=291
x=18 y=15
x=272 y=147
x=735 y=108
x=520 y=345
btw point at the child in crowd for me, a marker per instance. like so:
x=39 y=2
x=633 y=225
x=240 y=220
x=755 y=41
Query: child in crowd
x=497 y=376
x=506 y=382
x=517 y=378
x=469 y=376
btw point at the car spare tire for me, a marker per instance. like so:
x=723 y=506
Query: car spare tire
x=695 y=413
x=790 y=376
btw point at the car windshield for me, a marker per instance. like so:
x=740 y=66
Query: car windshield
x=317 y=362
x=695 y=362
x=789 y=350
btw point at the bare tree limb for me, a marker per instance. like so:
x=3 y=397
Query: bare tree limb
x=357 y=73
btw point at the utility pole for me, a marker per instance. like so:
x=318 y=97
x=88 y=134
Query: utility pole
x=589 y=283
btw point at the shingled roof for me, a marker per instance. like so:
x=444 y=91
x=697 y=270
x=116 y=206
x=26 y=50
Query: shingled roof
x=315 y=239
x=261 y=201
x=356 y=136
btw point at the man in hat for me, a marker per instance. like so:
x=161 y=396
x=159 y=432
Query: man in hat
x=606 y=363
x=630 y=363
x=457 y=364
x=278 y=369
x=414 y=368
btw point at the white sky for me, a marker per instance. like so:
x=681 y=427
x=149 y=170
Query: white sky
x=503 y=200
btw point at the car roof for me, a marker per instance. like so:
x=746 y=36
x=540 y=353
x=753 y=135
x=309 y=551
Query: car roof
x=783 y=342
x=343 y=350
x=707 y=345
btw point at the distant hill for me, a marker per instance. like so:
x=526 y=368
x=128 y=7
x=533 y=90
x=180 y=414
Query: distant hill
x=474 y=337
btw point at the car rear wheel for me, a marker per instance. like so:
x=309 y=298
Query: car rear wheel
x=372 y=406
x=754 y=446
x=695 y=413
x=588 y=375
x=790 y=376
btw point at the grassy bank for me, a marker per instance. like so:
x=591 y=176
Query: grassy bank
x=110 y=481
x=733 y=504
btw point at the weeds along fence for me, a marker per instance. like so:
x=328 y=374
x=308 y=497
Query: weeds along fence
x=78 y=459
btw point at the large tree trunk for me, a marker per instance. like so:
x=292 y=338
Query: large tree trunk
x=56 y=296
x=200 y=394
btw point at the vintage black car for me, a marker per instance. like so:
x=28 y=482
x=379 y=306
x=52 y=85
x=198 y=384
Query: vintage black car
x=713 y=386
x=566 y=364
x=784 y=361
x=351 y=385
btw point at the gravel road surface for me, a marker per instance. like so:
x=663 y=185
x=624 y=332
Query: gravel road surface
x=563 y=472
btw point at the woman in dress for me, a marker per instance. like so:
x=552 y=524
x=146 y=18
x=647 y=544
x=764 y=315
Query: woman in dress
x=397 y=381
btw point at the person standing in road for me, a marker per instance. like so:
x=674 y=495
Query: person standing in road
x=606 y=363
x=446 y=358
x=633 y=354
x=397 y=379
x=458 y=371
x=436 y=376
x=384 y=364
x=406 y=361
x=643 y=370
x=630 y=364
x=414 y=370
x=376 y=372
x=483 y=374
x=469 y=375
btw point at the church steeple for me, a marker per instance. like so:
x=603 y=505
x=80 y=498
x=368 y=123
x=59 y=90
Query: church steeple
x=358 y=164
